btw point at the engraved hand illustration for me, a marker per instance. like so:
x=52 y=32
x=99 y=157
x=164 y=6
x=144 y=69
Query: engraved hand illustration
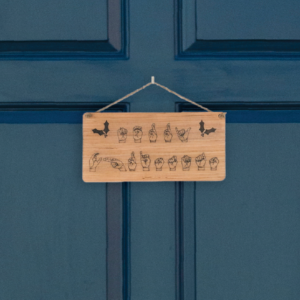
x=167 y=134
x=213 y=162
x=172 y=162
x=132 y=162
x=115 y=163
x=200 y=161
x=122 y=134
x=152 y=134
x=186 y=163
x=137 y=134
x=183 y=134
x=94 y=162
x=159 y=162
x=145 y=160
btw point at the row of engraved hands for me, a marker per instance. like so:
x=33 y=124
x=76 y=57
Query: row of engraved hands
x=138 y=133
x=159 y=162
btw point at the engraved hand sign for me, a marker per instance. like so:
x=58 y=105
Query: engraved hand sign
x=145 y=160
x=132 y=162
x=94 y=162
x=186 y=163
x=168 y=134
x=213 y=162
x=172 y=162
x=122 y=134
x=200 y=161
x=137 y=134
x=183 y=134
x=159 y=162
x=115 y=163
x=152 y=134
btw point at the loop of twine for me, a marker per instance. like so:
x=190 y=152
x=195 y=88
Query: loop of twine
x=145 y=86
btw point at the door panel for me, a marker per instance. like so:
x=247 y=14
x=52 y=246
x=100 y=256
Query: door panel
x=53 y=233
x=69 y=20
x=248 y=20
x=247 y=227
x=238 y=29
x=66 y=29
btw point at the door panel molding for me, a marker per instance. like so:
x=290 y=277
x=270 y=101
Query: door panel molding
x=45 y=112
x=189 y=47
x=251 y=112
x=118 y=241
x=115 y=47
x=185 y=233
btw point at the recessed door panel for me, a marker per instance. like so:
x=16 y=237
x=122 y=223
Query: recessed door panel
x=53 y=229
x=38 y=20
x=247 y=227
x=248 y=20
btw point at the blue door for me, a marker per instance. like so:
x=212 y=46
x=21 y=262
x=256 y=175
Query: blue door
x=64 y=239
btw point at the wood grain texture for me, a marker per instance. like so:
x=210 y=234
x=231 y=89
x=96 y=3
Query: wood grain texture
x=143 y=147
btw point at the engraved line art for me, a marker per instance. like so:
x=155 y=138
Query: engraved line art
x=132 y=162
x=145 y=161
x=172 y=162
x=152 y=134
x=94 y=162
x=201 y=161
x=137 y=134
x=168 y=134
x=183 y=134
x=122 y=134
x=159 y=162
x=115 y=163
x=186 y=162
x=205 y=131
x=104 y=131
x=213 y=162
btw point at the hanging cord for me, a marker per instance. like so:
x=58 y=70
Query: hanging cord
x=145 y=86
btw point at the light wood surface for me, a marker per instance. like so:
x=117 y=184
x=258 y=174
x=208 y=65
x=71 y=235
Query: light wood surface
x=135 y=150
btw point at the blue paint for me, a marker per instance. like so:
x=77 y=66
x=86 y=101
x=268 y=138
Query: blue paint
x=263 y=116
x=248 y=20
x=51 y=113
x=69 y=20
x=203 y=35
x=75 y=117
x=111 y=43
x=42 y=117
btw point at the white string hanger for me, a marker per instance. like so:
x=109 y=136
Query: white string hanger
x=145 y=86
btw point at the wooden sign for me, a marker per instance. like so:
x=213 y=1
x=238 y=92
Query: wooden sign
x=120 y=147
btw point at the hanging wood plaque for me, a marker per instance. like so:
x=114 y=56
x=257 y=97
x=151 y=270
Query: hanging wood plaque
x=120 y=147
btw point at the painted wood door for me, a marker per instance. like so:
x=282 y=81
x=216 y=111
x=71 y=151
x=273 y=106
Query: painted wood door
x=64 y=239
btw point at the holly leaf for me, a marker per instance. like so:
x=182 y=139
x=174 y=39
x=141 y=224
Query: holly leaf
x=201 y=126
x=100 y=132
x=208 y=131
